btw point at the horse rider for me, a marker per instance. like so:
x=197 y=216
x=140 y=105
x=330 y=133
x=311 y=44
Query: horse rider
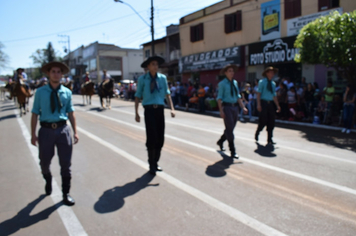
x=20 y=77
x=86 y=77
x=229 y=99
x=53 y=106
x=105 y=76
x=153 y=88
x=266 y=103
x=20 y=71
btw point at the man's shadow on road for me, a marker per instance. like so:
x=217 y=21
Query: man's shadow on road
x=218 y=169
x=265 y=151
x=23 y=219
x=8 y=117
x=113 y=199
x=9 y=109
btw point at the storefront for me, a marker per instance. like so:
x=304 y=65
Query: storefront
x=204 y=68
x=278 y=53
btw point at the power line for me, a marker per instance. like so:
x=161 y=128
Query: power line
x=71 y=30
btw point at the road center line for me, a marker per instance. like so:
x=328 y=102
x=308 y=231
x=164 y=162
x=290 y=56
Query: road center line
x=250 y=140
x=261 y=164
x=232 y=212
x=69 y=219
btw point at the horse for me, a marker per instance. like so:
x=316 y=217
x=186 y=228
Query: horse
x=87 y=90
x=106 y=90
x=22 y=94
x=69 y=85
x=11 y=88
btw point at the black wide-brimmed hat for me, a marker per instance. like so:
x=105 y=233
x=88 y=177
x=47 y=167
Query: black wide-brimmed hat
x=223 y=70
x=268 y=69
x=158 y=59
x=18 y=69
x=47 y=67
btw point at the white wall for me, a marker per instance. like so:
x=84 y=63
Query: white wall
x=308 y=71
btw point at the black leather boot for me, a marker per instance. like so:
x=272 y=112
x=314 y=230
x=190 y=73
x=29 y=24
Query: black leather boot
x=269 y=139
x=256 y=135
x=158 y=155
x=233 y=150
x=67 y=199
x=48 y=186
x=220 y=142
x=152 y=161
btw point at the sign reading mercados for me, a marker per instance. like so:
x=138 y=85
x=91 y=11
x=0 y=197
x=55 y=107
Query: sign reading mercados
x=272 y=52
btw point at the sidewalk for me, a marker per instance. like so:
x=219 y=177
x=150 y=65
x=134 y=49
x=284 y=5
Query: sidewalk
x=255 y=120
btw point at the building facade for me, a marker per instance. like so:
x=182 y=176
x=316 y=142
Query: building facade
x=123 y=64
x=167 y=47
x=252 y=34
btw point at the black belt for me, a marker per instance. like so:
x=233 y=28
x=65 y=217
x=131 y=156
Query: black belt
x=227 y=104
x=267 y=101
x=154 y=106
x=53 y=125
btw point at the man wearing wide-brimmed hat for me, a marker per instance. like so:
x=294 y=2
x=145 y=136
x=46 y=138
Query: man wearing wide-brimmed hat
x=152 y=87
x=267 y=103
x=229 y=99
x=53 y=105
x=20 y=71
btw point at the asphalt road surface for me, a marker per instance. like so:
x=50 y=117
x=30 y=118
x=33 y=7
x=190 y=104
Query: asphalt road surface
x=304 y=185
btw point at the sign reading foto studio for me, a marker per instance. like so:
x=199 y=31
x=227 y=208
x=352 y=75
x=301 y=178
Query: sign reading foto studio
x=212 y=60
x=272 y=52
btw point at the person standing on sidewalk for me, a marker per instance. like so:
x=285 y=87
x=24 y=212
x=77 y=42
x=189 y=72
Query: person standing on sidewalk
x=349 y=107
x=266 y=102
x=153 y=88
x=53 y=106
x=228 y=100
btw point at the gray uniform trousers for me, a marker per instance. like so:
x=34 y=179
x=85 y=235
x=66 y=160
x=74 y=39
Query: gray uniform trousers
x=48 y=138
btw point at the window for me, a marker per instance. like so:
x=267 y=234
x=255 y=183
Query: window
x=147 y=53
x=92 y=64
x=197 y=33
x=233 y=22
x=327 y=4
x=110 y=63
x=292 y=8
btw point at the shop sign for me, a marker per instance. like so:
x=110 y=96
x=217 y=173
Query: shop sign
x=272 y=52
x=212 y=60
x=271 y=20
x=296 y=24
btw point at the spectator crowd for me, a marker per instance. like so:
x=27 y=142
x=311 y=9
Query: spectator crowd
x=300 y=101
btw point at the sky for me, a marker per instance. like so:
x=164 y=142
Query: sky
x=26 y=26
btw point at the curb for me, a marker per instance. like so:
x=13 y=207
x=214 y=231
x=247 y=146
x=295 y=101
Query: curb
x=319 y=126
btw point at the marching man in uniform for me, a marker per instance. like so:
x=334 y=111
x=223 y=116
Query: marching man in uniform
x=228 y=100
x=153 y=89
x=266 y=101
x=53 y=106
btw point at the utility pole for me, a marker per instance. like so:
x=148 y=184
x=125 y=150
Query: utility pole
x=152 y=27
x=152 y=30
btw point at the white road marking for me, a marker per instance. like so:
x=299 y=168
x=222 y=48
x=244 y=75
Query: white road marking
x=261 y=164
x=69 y=219
x=232 y=212
x=312 y=154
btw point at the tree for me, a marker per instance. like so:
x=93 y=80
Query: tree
x=4 y=58
x=43 y=56
x=330 y=40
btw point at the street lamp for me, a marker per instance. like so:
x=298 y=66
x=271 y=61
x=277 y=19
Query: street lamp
x=152 y=28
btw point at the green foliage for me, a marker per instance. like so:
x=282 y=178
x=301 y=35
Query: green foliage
x=43 y=56
x=330 y=40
